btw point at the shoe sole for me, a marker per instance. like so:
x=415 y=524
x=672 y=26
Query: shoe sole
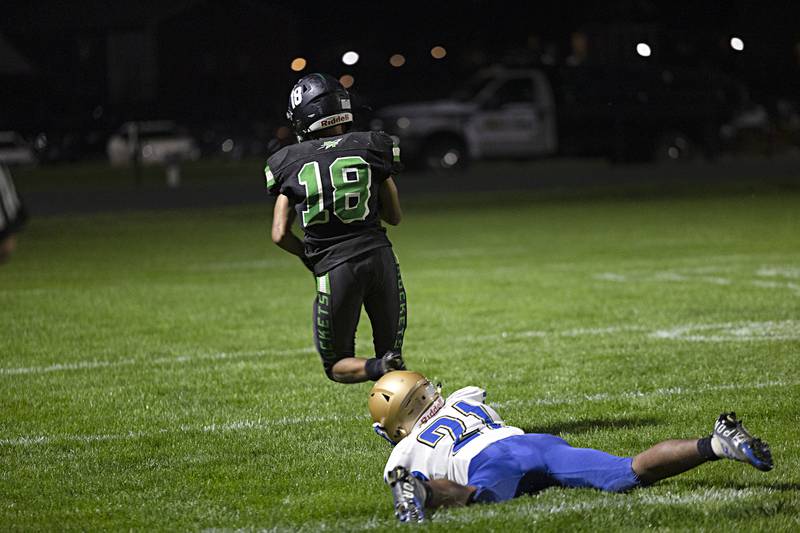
x=758 y=455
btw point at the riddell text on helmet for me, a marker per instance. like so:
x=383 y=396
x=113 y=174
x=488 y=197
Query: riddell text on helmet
x=332 y=121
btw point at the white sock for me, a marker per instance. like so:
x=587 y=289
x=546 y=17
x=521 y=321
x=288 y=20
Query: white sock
x=716 y=447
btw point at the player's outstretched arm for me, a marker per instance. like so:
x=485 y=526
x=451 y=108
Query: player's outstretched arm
x=282 y=218
x=446 y=493
x=390 y=202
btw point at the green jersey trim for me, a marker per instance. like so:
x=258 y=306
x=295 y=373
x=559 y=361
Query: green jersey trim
x=270 y=178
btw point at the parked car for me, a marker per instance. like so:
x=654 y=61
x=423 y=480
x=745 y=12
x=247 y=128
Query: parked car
x=15 y=150
x=624 y=114
x=151 y=142
x=233 y=140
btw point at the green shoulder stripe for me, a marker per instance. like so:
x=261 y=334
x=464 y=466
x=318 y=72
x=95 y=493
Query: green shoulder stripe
x=270 y=177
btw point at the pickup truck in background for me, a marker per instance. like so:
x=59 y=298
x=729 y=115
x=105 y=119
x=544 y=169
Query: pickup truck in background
x=624 y=114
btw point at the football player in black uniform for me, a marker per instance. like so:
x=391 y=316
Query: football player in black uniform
x=339 y=185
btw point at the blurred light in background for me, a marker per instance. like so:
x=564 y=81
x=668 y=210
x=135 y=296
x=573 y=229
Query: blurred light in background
x=438 y=52
x=403 y=123
x=347 y=81
x=397 y=60
x=350 y=58
x=643 y=49
x=298 y=64
x=737 y=44
x=227 y=145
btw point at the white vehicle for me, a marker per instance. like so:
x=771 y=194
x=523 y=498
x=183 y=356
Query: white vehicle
x=625 y=113
x=151 y=142
x=14 y=150
x=500 y=113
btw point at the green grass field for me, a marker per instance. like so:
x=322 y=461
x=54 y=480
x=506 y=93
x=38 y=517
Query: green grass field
x=158 y=371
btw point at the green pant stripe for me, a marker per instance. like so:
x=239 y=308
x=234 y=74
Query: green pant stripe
x=403 y=318
x=324 y=284
x=323 y=325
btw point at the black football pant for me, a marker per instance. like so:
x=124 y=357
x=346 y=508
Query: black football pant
x=371 y=279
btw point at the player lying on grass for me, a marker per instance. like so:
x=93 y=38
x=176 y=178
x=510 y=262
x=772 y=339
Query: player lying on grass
x=340 y=185
x=458 y=451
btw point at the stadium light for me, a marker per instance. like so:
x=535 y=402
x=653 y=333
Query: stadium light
x=298 y=64
x=737 y=44
x=643 y=49
x=397 y=60
x=347 y=81
x=438 y=52
x=350 y=58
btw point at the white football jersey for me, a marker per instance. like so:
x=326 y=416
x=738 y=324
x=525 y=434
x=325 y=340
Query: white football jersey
x=441 y=445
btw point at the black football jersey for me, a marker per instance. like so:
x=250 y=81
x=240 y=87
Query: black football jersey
x=333 y=183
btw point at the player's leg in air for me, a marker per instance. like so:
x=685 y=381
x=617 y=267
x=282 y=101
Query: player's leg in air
x=337 y=309
x=385 y=303
x=528 y=463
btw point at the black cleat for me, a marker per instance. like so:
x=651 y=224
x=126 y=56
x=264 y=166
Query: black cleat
x=738 y=444
x=409 y=495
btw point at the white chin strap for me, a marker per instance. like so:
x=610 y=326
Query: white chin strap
x=329 y=121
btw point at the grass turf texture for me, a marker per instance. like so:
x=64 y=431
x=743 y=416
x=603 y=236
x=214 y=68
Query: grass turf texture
x=157 y=370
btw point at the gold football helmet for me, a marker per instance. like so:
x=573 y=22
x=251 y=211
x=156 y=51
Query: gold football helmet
x=399 y=399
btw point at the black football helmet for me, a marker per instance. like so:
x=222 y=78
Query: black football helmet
x=318 y=101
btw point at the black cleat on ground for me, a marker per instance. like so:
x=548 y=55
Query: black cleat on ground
x=393 y=361
x=737 y=443
x=409 y=495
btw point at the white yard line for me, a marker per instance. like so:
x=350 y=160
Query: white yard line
x=611 y=276
x=61 y=367
x=779 y=271
x=213 y=427
x=679 y=276
x=536 y=511
x=794 y=287
x=599 y=332
x=732 y=332
x=264 y=424
x=540 y=508
x=728 y=332
x=529 y=334
x=637 y=395
x=84 y=365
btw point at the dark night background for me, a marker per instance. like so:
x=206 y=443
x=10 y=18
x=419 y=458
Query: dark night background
x=94 y=64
